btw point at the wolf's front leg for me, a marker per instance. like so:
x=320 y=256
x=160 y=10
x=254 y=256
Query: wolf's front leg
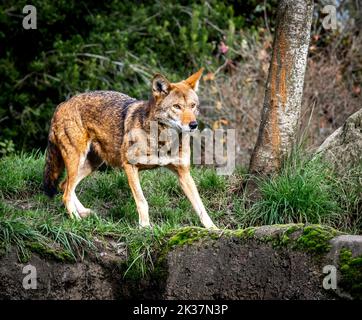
x=141 y=202
x=189 y=187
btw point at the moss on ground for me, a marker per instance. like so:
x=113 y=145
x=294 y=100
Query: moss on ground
x=310 y=238
x=351 y=272
x=188 y=235
x=316 y=238
x=44 y=251
x=243 y=233
x=57 y=254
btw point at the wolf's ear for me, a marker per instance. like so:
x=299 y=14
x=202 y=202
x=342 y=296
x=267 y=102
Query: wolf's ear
x=160 y=86
x=193 y=81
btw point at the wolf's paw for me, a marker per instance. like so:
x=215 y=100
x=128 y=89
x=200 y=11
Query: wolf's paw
x=145 y=226
x=212 y=227
x=74 y=215
x=84 y=213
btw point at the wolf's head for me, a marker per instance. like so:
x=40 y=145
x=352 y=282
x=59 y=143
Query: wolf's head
x=176 y=104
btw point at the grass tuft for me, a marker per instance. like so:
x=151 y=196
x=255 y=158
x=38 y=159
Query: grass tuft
x=13 y=231
x=303 y=192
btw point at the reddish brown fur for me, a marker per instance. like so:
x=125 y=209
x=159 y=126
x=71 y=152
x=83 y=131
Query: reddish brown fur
x=93 y=127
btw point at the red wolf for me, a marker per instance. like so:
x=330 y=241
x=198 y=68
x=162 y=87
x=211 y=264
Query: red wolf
x=92 y=128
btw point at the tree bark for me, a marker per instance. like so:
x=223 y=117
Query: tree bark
x=284 y=88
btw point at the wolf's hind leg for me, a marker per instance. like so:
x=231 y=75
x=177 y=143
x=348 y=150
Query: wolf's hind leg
x=87 y=164
x=71 y=164
x=85 y=169
x=63 y=184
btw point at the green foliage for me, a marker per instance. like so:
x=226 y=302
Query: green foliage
x=113 y=45
x=211 y=181
x=70 y=235
x=302 y=192
x=13 y=231
x=189 y=235
x=348 y=194
x=142 y=245
x=351 y=270
x=21 y=173
x=6 y=147
x=316 y=238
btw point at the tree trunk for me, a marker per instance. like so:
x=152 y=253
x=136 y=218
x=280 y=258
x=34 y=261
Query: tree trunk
x=284 y=88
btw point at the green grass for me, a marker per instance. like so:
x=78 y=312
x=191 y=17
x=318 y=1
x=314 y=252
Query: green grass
x=303 y=192
x=14 y=231
x=308 y=191
x=20 y=173
x=27 y=216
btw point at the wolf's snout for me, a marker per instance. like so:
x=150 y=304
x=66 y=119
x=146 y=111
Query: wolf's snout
x=193 y=125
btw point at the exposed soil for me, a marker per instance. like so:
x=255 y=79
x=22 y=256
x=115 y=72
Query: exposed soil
x=224 y=269
x=228 y=267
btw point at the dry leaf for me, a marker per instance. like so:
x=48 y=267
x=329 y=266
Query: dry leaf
x=216 y=125
x=210 y=76
x=262 y=55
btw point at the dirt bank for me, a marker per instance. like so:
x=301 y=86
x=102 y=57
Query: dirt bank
x=274 y=262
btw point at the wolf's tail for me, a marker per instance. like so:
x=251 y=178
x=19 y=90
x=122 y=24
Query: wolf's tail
x=54 y=166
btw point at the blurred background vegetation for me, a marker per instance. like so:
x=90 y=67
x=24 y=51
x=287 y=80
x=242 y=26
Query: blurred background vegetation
x=119 y=45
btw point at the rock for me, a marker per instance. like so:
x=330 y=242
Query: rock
x=351 y=242
x=346 y=252
x=270 y=262
x=343 y=148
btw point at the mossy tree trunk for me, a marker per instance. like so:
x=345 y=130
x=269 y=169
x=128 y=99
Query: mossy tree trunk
x=284 y=88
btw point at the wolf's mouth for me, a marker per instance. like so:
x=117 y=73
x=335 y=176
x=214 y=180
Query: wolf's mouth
x=171 y=124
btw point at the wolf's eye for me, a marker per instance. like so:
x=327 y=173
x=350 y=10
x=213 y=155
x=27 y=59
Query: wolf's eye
x=177 y=106
x=193 y=105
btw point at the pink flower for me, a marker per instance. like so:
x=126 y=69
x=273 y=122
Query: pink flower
x=223 y=48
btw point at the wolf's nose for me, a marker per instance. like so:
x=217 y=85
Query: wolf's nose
x=193 y=124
